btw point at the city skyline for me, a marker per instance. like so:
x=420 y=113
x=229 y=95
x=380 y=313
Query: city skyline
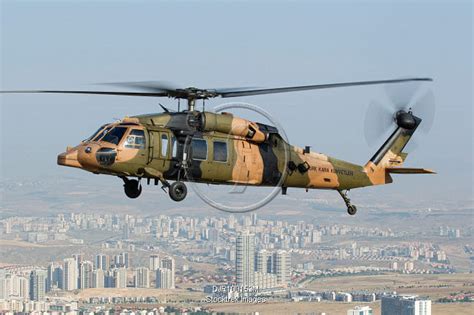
x=278 y=257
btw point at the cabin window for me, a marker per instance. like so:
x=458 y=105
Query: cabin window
x=136 y=139
x=220 y=151
x=199 y=149
x=115 y=135
x=164 y=145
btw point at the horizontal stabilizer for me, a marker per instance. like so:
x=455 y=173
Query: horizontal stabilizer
x=406 y=170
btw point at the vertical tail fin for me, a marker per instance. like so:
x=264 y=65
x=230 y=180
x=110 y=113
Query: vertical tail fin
x=391 y=152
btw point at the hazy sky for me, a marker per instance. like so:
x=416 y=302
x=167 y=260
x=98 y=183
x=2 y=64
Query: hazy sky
x=220 y=44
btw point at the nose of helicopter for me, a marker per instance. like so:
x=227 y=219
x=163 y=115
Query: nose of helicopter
x=69 y=158
x=89 y=156
x=82 y=156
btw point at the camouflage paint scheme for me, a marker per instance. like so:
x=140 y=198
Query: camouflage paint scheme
x=255 y=154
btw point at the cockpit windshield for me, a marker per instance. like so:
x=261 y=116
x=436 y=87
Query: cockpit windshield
x=94 y=135
x=115 y=135
x=102 y=133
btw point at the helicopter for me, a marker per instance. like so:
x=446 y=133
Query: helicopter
x=175 y=147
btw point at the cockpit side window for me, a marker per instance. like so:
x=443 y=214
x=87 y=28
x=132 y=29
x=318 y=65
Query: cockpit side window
x=174 y=147
x=164 y=145
x=115 y=135
x=135 y=139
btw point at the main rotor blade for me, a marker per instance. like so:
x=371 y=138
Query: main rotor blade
x=156 y=89
x=150 y=86
x=238 y=93
x=149 y=94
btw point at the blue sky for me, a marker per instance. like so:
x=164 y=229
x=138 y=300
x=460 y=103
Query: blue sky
x=218 y=44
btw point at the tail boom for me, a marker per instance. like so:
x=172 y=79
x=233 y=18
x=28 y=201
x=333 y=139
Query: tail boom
x=390 y=157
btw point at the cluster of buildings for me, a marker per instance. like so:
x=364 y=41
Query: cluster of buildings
x=273 y=233
x=76 y=273
x=216 y=237
x=264 y=268
x=393 y=304
x=260 y=250
x=447 y=231
x=55 y=306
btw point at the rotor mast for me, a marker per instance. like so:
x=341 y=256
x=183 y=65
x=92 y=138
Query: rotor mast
x=191 y=104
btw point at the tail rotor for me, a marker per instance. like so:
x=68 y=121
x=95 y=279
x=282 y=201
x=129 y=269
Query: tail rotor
x=405 y=106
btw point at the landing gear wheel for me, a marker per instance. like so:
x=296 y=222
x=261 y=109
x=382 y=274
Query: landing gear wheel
x=178 y=191
x=351 y=209
x=132 y=188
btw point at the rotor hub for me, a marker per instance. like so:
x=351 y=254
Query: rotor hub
x=405 y=119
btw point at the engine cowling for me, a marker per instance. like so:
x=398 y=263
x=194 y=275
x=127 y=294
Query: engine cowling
x=232 y=125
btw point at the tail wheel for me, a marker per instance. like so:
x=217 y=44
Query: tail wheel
x=178 y=191
x=132 y=188
x=351 y=209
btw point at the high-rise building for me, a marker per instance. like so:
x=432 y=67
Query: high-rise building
x=164 y=278
x=102 y=261
x=58 y=278
x=109 y=279
x=360 y=310
x=126 y=259
x=405 y=305
x=122 y=260
x=38 y=285
x=245 y=259
x=23 y=288
x=120 y=277
x=70 y=278
x=254 y=219
x=168 y=263
x=264 y=261
x=3 y=285
x=154 y=262
x=142 y=277
x=19 y=287
x=85 y=280
x=49 y=278
x=78 y=258
x=282 y=262
x=98 y=278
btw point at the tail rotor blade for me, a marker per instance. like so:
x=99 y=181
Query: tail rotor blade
x=378 y=120
x=425 y=108
x=401 y=95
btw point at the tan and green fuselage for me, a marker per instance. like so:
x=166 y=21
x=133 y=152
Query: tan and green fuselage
x=256 y=154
